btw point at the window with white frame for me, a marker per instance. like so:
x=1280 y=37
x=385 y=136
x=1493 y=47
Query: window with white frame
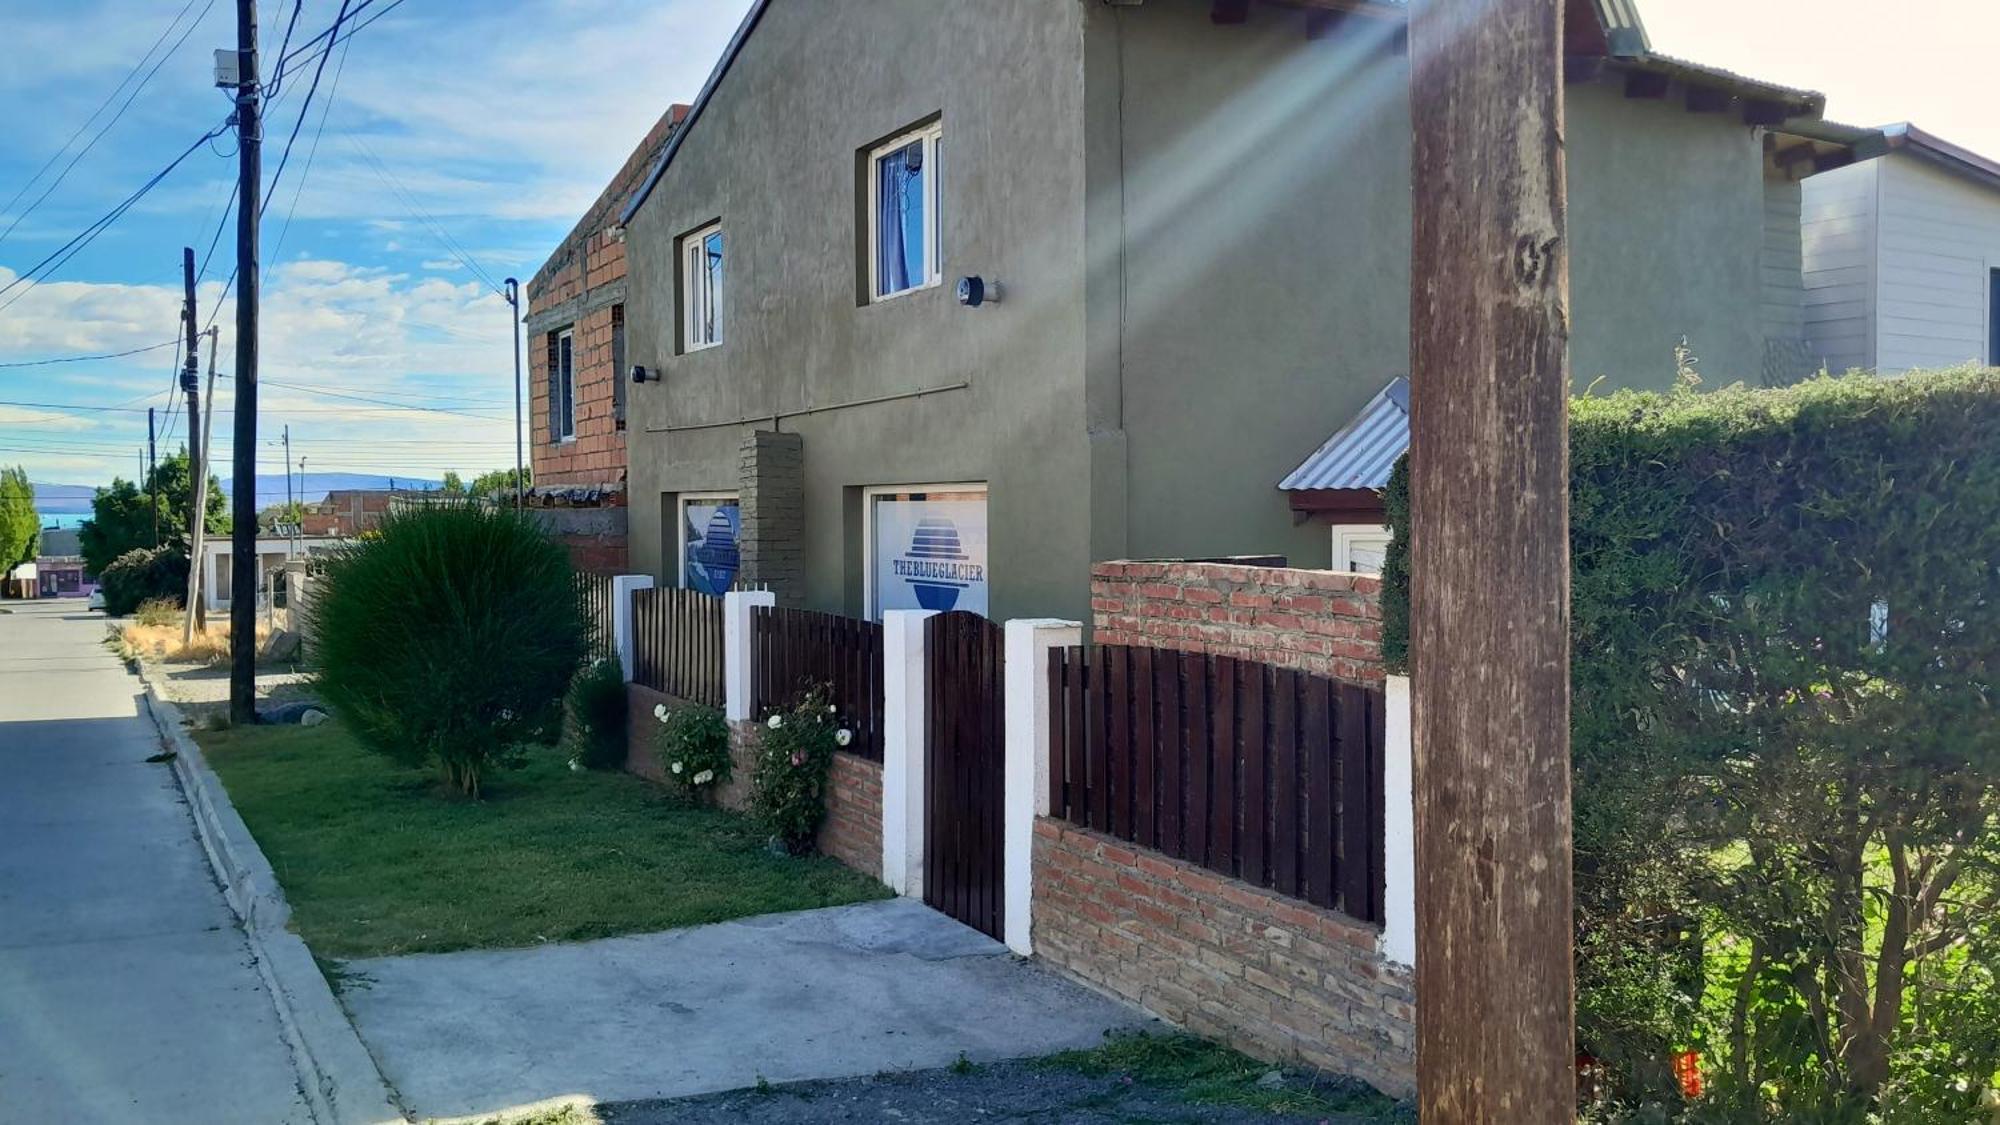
x=562 y=386
x=903 y=213
x=1359 y=548
x=701 y=289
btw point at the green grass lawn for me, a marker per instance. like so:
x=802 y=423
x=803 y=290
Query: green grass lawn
x=1204 y=1073
x=376 y=859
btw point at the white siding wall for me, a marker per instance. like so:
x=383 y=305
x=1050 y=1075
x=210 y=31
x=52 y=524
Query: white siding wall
x=1939 y=240
x=1838 y=224
x=1781 y=268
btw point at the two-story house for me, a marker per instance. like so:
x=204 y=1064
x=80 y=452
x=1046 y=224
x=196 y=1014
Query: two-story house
x=934 y=304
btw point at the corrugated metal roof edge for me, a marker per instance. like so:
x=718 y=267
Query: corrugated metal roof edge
x=1937 y=150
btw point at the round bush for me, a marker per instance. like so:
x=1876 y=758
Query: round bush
x=143 y=574
x=448 y=640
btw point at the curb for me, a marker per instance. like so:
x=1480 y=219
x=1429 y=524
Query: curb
x=341 y=1082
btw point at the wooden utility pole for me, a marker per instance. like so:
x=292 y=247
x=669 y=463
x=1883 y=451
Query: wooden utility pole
x=1489 y=643
x=197 y=454
x=153 y=475
x=243 y=486
x=190 y=371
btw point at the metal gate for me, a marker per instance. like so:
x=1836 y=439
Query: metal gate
x=965 y=768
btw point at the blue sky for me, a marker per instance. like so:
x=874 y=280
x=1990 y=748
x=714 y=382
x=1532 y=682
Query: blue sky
x=497 y=123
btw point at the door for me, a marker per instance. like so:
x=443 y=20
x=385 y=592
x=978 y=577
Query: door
x=965 y=768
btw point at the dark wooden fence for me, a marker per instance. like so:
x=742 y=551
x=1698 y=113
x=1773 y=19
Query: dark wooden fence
x=1263 y=774
x=594 y=590
x=792 y=649
x=965 y=756
x=677 y=643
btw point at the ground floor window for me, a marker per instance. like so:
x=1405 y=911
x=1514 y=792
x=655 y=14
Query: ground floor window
x=1360 y=547
x=926 y=548
x=710 y=525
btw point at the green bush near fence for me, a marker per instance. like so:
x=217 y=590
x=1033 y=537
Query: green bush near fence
x=1785 y=644
x=449 y=639
x=595 y=716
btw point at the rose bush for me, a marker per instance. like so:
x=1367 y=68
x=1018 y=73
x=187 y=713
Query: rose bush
x=789 y=787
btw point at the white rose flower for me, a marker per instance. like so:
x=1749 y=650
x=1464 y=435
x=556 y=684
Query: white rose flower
x=842 y=737
x=704 y=777
x=677 y=767
x=829 y=708
x=660 y=711
x=777 y=721
x=575 y=766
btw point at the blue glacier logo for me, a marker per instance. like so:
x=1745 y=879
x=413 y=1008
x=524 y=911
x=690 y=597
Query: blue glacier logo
x=713 y=561
x=936 y=565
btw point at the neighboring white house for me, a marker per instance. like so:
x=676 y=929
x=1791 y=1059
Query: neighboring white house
x=1902 y=257
x=272 y=554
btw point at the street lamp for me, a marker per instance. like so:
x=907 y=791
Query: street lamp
x=514 y=328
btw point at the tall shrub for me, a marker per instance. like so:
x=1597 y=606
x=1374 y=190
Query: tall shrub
x=20 y=527
x=143 y=575
x=1786 y=637
x=448 y=639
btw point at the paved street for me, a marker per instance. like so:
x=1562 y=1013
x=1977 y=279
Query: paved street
x=127 y=994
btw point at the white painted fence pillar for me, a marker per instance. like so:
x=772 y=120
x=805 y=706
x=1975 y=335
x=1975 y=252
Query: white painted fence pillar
x=1027 y=765
x=903 y=750
x=622 y=588
x=739 y=696
x=1399 y=827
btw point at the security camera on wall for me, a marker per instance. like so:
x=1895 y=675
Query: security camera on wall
x=976 y=291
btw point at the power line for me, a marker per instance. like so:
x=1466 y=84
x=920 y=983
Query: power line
x=377 y=402
x=99 y=135
x=311 y=151
x=306 y=50
x=318 y=70
x=57 y=258
x=92 y=358
x=284 y=45
x=416 y=211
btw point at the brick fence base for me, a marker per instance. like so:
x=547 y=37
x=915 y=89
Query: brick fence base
x=852 y=833
x=1271 y=976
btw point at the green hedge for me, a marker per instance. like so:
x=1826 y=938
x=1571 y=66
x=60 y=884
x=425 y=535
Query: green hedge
x=1785 y=638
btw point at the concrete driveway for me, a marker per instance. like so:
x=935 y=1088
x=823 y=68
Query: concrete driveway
x=850 y=990
x=127 y=993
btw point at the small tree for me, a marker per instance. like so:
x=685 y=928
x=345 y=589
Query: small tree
x=121 y=516
x=20 y=528
x=448 y=639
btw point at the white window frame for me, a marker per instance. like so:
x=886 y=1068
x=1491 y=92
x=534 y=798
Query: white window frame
x=930 y=135
x=1347 y=535
x=870 y=609
x=681 y=527
x=694 y=265
x=566 y=382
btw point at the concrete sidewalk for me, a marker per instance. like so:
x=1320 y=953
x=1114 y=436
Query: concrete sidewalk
x=127 y=992
x=850 y=990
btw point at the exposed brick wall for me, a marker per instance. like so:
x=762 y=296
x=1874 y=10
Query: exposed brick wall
x=577 y=288
x=1320 y=621
x=596 y=455
x=1271 y=976
x=852 y=833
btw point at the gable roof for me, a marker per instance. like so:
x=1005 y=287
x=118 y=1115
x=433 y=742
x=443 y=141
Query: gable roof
x=1616 y=31
x=1933 y=149
x=700 y=103
x=1361 y=454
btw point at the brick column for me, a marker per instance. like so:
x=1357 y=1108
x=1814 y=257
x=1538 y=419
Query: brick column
x=772 y=498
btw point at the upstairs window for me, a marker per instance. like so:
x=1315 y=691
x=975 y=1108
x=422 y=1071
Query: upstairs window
x=701 y=289
x=562 y=386
x=618 y=365
x=903 y=211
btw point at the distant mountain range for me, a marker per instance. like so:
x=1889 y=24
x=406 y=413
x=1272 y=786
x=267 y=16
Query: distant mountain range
x=74 y=499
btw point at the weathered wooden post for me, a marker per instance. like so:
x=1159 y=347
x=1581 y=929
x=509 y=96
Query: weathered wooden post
x=1490 y=564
